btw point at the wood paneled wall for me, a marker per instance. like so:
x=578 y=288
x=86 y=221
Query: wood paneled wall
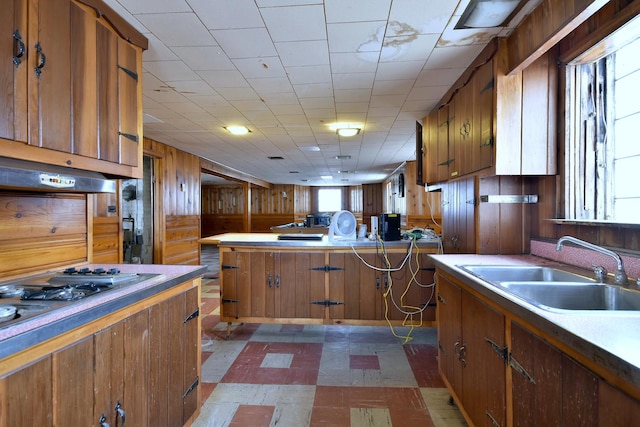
x=177 y=231
x=41 y=231
x=423 y=209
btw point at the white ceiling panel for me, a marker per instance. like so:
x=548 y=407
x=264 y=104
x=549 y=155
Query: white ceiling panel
x=288 y=69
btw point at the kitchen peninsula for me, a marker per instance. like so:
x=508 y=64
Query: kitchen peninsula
x=132 y=350
x=344 y=281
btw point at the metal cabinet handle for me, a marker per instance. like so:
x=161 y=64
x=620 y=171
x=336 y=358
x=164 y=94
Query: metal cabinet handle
x=377 y=283
x=42 y=60
x=120 y=412
x=462 y=354
x=270 y=281
x=455 y=349
x=18 y=48
x=440 y=299
x=277 y=280
x=103 y=421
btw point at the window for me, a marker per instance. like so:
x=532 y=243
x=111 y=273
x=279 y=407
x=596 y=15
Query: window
x=603 y=148
x=329 y=199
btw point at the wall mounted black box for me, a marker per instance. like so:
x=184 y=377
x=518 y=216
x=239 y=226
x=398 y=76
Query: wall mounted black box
x=390 y=227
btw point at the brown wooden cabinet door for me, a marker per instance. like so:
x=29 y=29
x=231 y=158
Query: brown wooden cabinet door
x=27 y=396
x=228 y=285
x=128 y=81
x=300 y=282
x=73 y=384
x=50 y=75
x=355 y=286
x=484 y=369
x=616 y=409
x=449 y=316
x=107 y=91
x=405 y=297
x=458 y=222
x=483 y=86
x=109 y=368
x=13 y=70
x=430 y=149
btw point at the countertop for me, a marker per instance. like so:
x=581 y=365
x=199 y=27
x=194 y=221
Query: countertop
x=47 y=325
x=611 y=339
x=271 y=239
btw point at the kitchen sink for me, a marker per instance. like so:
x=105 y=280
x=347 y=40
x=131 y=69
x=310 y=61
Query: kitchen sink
x=575 y=296
x=523 y=273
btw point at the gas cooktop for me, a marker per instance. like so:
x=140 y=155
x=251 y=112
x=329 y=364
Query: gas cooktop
x=25 y=298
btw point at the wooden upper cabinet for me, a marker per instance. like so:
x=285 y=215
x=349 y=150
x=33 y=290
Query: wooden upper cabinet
x=70 y=62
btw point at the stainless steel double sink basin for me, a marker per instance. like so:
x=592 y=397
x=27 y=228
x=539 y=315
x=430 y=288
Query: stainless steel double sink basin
x=557 y=290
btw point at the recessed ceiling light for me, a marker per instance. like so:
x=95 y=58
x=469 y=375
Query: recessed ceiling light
x=309 y=148
x=294 y=172
x=326 y=177
x=237 y=130
x=275 y=158
x=343 y=157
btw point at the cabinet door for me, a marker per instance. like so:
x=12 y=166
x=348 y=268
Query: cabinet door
x=449 y=332
x=300 y=282
x=484 y=369
x=355 y=286
x=13 y=70
x=50 y=75
x=228 y=285
x=128 y=80
x=616 y=409
x=73 y=385
x=458 y=222
x=430 y=148
x=483 y=86
x=27 y=396
x=107 y=91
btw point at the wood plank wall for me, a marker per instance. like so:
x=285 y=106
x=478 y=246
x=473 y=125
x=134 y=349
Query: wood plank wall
x=178 y=176
x=40 y=231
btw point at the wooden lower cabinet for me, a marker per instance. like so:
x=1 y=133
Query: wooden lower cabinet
x=142 y=370
x=325 y=286
x=529 y=382
x=469 y=334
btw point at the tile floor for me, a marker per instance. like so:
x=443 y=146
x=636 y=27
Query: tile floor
x=316 y=375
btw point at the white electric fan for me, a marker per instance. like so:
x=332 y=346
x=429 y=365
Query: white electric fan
x=343 y=224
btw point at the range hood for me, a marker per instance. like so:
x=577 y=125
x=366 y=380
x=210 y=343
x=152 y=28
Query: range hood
x=31 y=176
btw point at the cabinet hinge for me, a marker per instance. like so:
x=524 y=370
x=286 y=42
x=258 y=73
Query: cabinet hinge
x=492 y=420
x=192 y=315
x=427 y=269
x=520 y=369
x=326 y=268
x=490 y=84
x=503 y=352
x=446 y=162
x=487 y=142
x=228 y=267
x=327 y=303
x=129 y=72
x=191 y=387
x=444 y=352
x=129 y=136
x=226 y=300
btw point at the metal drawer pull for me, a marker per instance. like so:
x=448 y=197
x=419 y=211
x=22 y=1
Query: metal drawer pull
x=120 y=412
x=18 y=48
x=103 y=421
x=42 y=60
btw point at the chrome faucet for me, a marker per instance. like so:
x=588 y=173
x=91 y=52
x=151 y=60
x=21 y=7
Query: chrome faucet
x=620 y=277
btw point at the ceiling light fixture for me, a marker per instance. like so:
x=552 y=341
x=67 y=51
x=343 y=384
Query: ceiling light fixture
x=487 y=13
x=237 y=130
x=348 y=131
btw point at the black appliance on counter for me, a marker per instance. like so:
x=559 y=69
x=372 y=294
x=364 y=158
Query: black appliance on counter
x=390 y=227
x=318 y=220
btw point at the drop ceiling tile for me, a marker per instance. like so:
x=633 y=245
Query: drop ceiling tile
x=245 y=42
x=317 y=90
x=431 y=77
x=295 y=23
x=356 y=10
x=318 y=114
x=224 y=78
x=280 y=98
x=286 y=109
x=351 y=107
x=201 y=58
x=453 y=57
x=192 y=87
x=391 y=87
x=354 y=81
x=167 y=27
x=408 y=48
x=349 y=95
x=154 y=6
x=387 y=100
x=406 y=70
x=224 y=14
x=271 y=86
x=383 y=111
x=427 y=93
x=356 y=36
x=158 y=51
x=247 y=105
x=299 y=54
x=422 y=17
x=465 y=37
x=170 y=70
x=309 y=74
x=232 y=94
x=260 y=68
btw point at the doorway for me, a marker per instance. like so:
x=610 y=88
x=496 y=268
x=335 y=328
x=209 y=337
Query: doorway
x=137 y=216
